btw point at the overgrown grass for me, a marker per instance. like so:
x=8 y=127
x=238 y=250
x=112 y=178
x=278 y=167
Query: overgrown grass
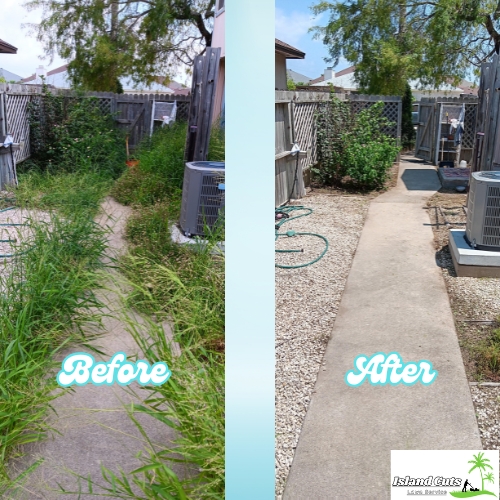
x=45 y=300
x=185 y=287
x=160 y=172
x=46 y=296
x=66 y=192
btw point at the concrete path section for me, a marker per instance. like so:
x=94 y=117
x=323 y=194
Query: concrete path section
x=395 y=300
x=93 y=427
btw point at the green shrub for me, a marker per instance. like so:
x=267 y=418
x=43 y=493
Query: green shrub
x=72 y=134
x=353 y=146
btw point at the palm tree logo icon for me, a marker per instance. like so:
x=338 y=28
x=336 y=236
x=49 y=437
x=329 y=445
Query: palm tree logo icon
x=480 y=463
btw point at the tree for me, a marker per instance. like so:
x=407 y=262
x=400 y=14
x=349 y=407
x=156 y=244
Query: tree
x=480 y=463
x=105 y=40
x=394 y=41
x=290 y=84
x=407 y=130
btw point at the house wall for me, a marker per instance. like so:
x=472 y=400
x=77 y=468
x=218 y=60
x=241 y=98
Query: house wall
x=280 y=72
x=219 y=92
x=218 y=35
x=418 y=94
x=219 y=40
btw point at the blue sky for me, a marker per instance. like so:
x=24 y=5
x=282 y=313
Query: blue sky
x=292 y=22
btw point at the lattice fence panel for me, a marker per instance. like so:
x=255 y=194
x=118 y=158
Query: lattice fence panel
x=469 y=125
x=182 y=110
x=305 y=130
x=391 y=112
x=105 y=105
x=17 y=122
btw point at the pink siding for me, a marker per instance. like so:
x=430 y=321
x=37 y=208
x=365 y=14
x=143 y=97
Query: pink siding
x=218 y=36
x=219 y=93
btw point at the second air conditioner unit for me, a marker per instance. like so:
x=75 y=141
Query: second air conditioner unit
x=482 y=230
x=202 y=197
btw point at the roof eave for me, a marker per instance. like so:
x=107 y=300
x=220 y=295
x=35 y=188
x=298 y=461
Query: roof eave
x=7 y=48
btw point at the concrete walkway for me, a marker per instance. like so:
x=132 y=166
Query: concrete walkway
x=92 y=422
x=395 y=300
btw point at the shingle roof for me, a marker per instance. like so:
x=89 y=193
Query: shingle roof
x=287 y=50
x=7 y=48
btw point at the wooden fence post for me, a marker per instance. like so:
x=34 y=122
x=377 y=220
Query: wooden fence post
x=205 y=73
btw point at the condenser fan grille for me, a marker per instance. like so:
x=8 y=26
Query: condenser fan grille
x=491 y=227
x=211 y=200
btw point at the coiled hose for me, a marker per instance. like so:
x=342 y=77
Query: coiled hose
x=10 y=224
x=286 y=211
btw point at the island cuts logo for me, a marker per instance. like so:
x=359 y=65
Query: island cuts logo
x=460 y=474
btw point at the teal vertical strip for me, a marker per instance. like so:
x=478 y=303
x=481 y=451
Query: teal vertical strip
x=250 y=250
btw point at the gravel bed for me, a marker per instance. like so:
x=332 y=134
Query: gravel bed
x=486 y=401
x=472 y=300
x=307 y=300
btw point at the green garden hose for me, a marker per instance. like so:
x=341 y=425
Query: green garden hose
x=286 y=211
x=10 y=255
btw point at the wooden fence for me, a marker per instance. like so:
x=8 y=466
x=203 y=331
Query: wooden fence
x=430 y=127
x=294 y=122
x=132 y=112
x=487 y=133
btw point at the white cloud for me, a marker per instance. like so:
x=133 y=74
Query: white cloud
x=291 y=27
x=27 y=59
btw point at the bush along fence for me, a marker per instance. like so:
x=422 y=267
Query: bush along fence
x=132 y=112
x=295 y=121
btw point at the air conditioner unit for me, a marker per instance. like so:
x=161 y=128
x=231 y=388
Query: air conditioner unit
x=482 y=230
x=202 y=196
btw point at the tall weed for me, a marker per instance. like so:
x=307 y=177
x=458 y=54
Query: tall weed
x=45 y=299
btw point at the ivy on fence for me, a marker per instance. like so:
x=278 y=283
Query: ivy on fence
x=71 y=133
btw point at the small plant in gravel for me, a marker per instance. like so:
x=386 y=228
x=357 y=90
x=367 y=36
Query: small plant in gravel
x=353 y=149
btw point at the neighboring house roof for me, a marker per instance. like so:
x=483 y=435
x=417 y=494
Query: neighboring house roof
x=345 y=80
x=287 y=50
x=10 y=76
x=58 y=77
x=298 y=77
x=468 y=87
x=7 y=48
x=317 y=80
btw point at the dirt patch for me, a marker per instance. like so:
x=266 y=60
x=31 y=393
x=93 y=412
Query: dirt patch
x=391 y=182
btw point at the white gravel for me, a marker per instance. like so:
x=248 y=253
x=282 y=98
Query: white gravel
x=486 y=401
x=472 y=299
x=307 y=300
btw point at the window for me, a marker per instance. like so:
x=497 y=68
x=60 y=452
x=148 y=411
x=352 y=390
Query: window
x=220 y=7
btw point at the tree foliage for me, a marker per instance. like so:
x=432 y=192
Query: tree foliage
x=407 y=130
x=108 y=39
x=392 y=42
